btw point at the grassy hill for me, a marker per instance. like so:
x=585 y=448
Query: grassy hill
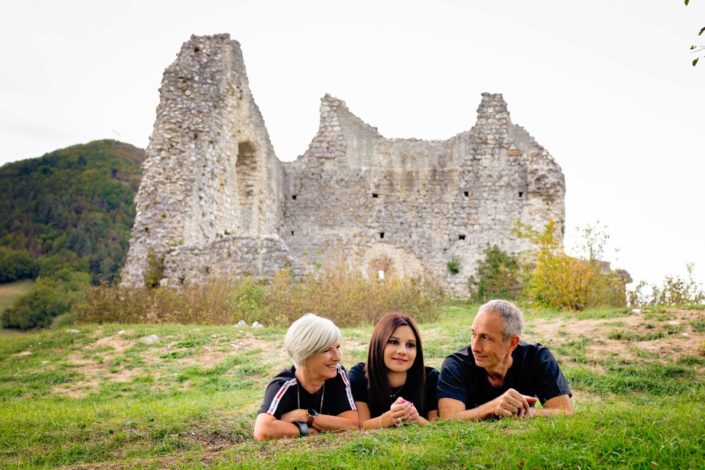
x=72 y=207
x=104 y=396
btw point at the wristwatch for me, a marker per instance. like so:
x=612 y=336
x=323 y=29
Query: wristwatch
x=311 y=416
x=303 y=428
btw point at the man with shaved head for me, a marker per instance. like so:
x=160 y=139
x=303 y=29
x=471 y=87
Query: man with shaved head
x=499 y=375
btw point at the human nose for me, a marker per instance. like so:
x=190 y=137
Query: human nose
x=336 y=354
x=475 y=344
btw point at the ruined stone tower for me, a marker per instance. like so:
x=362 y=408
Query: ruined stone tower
x=215 y=200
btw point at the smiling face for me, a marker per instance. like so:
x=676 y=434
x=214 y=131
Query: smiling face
x=325 y=362
x=400 y=350
x=488 y=346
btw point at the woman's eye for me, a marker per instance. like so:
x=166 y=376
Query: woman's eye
x=393 y=341
x=410 y=345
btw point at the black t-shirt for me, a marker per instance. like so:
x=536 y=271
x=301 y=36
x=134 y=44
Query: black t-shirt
x=534 y=372
x=284 y=394
x=358 y=383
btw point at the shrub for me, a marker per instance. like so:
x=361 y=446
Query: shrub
x=16 y=264
x=47 y=299
x=347 y=298
x=344 y=296
x=454 y=266
x=248 y=299
x=498 y=277
x=564 y=282
x=155 y=270
x=36 y=309
x=674 y=290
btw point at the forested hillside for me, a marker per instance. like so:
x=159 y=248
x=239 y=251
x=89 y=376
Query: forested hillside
x=69 y=209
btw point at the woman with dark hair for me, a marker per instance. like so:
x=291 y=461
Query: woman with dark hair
x=394 y=387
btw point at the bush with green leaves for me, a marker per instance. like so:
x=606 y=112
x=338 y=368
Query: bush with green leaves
x=498 y=277
x=36 y=309
x=47 y=300
x=16 y=264
x=558 y=280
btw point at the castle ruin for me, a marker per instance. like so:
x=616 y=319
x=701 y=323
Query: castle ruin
x=215 y=200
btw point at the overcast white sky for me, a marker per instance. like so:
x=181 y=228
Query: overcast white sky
x=606 y=86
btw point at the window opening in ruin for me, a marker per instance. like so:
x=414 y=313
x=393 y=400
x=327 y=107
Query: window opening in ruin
x=292 y=232
x=521 y=193
x=375 y=195
x=246 y=170
x=466 y=193
x=293 y=196
x=196 y=49
x=146 y=229
x=461 y=237
x=381 y=234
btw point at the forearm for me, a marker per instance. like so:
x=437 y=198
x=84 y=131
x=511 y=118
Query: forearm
x=334 y=423
x=276 y=429
x=474 y=414
x=384 y=420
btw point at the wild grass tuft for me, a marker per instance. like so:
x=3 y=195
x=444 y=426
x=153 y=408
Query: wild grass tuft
x=344 y=296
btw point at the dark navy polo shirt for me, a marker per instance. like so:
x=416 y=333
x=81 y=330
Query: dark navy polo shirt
x=534 y=372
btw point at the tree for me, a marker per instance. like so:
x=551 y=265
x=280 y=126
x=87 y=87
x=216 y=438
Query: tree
x=697 y=49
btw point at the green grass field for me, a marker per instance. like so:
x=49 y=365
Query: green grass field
x=12 y=291
x=92 y=396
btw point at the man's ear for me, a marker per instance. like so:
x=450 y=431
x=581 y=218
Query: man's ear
x=513 y=341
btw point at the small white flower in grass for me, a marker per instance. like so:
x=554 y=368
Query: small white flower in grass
x=73 y=332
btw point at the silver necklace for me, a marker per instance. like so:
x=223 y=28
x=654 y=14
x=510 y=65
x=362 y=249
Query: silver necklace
x=298 y=398
x=395 y=394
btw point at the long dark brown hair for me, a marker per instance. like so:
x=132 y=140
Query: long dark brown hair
x=378 y=389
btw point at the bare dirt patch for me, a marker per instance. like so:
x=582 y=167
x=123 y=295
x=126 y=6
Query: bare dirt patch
x=678 y=338
x=117 y=342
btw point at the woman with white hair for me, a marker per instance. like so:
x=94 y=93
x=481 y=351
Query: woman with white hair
x=314 y=395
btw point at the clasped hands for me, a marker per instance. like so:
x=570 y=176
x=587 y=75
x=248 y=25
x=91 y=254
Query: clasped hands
x=403 y=411
x=513 y=403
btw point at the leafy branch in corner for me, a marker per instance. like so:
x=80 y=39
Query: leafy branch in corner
x=696 y=49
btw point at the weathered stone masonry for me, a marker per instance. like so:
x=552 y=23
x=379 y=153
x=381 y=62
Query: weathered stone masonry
x=215 y=200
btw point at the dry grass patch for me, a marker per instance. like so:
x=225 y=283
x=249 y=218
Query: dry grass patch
x=670 y=337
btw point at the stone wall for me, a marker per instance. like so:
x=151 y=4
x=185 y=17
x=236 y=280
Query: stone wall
x=210 y=170
x=414 y=205
x=215 y=199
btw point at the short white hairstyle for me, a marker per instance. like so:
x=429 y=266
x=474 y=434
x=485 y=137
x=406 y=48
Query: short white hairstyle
x=308 y=335
x=509 y=313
